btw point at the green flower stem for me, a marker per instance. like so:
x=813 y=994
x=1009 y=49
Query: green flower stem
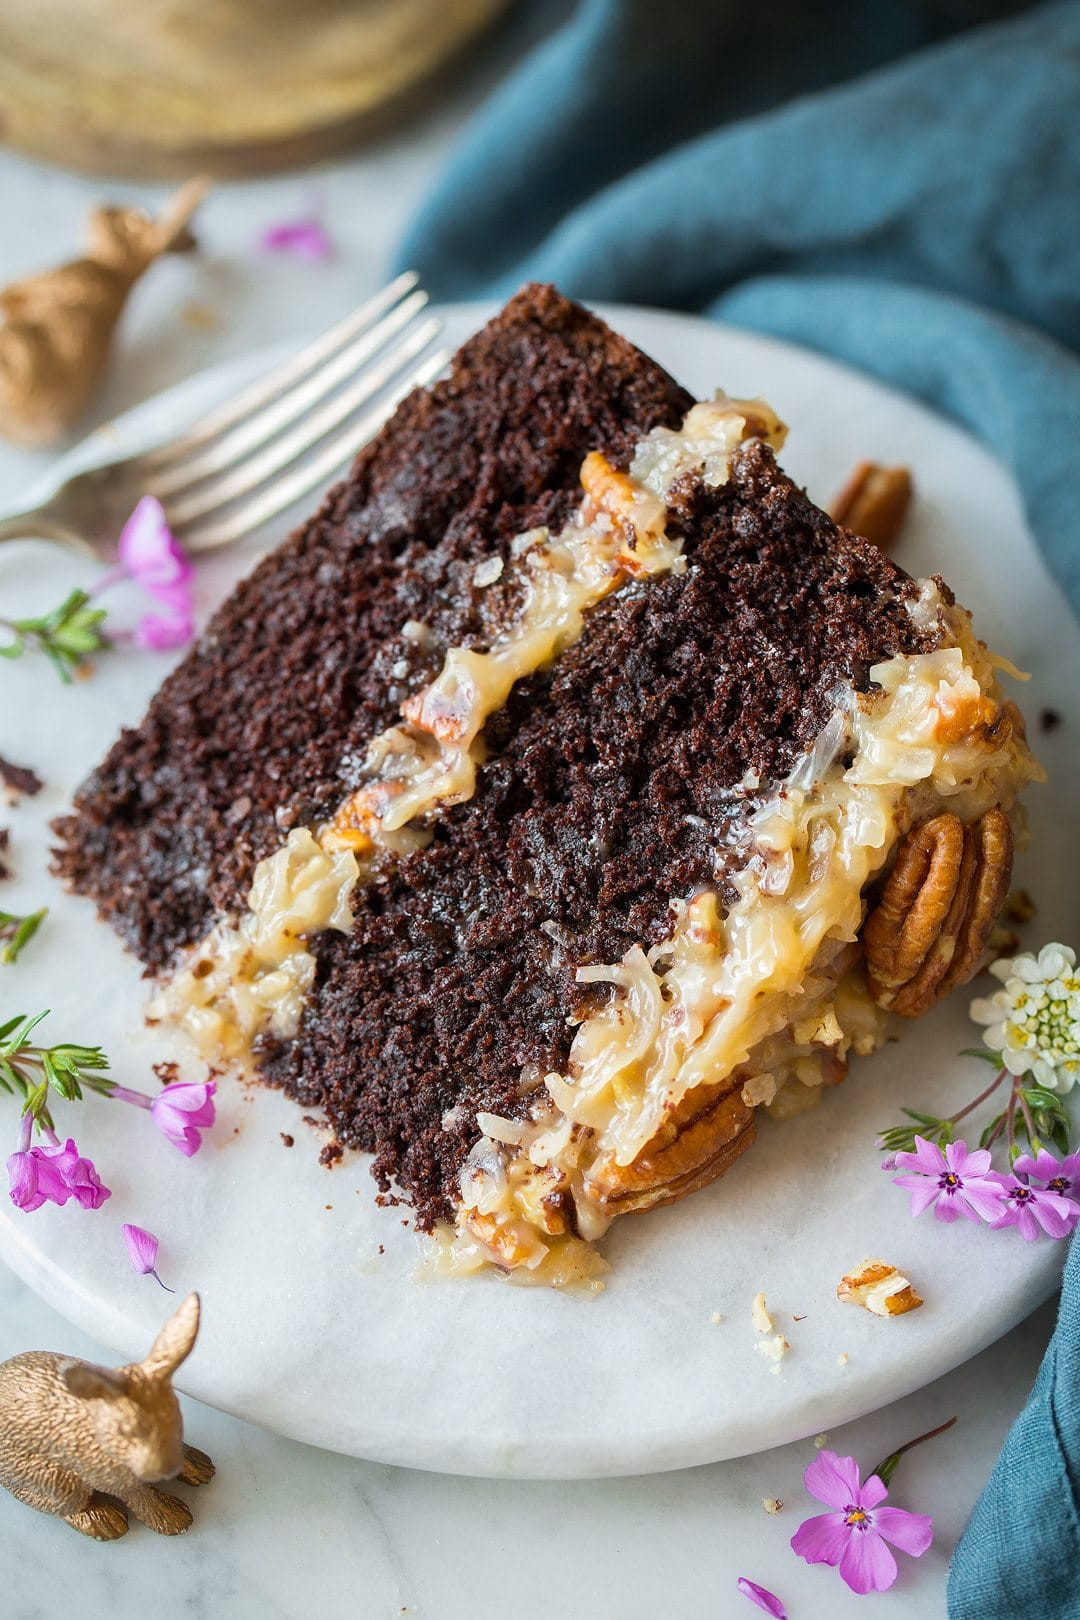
x=954 y=1119
x=887 y=1467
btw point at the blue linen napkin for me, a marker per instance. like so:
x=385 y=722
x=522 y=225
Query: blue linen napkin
x=921 y=222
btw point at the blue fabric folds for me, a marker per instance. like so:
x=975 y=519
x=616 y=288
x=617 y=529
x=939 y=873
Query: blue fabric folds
x=896 y=187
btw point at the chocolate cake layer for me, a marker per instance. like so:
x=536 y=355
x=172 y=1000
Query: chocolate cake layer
x=301 y=666
x=611 y=776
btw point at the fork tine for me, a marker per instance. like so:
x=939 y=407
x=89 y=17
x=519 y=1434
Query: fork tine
x=229 y=450
x=308 y=475
x=266 y=389
x=282 y=451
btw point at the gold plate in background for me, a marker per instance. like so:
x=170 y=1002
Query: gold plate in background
x=159 y=88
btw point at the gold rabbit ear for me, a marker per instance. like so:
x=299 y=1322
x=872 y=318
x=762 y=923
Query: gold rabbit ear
x=93 y=1383
x=176 y=1340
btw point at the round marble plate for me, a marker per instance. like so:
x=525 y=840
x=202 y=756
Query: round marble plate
x=313 y=1322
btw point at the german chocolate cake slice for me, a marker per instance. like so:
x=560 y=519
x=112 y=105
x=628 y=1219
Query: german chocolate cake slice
x=567 y=791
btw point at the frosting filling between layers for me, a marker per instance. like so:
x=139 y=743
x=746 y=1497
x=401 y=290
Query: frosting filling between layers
x=768 y=992
x=251 y=976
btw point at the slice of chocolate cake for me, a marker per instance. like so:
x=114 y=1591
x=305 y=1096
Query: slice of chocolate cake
x=523 y=813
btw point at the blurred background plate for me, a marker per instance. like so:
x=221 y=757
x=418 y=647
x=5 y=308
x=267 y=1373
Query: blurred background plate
x=313 y=1323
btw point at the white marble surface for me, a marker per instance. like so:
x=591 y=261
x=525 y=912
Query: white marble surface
x=287 y=1531
x=282 y=1523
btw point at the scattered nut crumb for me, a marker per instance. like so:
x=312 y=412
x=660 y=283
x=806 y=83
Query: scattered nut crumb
x=716 y=1318
x=760 y=1316
x=799 y=1318
x=329 y=1206
x=774 y=1348
x=288 y=1140
x=168 y=1071
x=842 y=1359
x=821 y=1439
x=771 y=1504
x=879 y=1288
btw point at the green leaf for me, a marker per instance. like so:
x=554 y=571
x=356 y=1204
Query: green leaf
x=1040 y=1097
x=993 y=1058
x=991 y=1130
x=18 y=931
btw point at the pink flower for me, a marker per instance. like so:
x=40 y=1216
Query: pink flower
x=1032 y=1209
x=762 y=1597
x=160 y=631
x=853 y=1536
x=182 y=1109
x=52 y=1175
x=142 y=1248
x=304 y=238
x=150 y=552
x=1058 y=1176
x=955 y=1182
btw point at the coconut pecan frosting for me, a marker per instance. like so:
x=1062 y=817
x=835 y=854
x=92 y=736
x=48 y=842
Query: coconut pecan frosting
x=567 y=791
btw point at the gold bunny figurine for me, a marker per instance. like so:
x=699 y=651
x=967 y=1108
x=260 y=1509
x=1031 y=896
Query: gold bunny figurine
x=58 y=325
x=88 y=1444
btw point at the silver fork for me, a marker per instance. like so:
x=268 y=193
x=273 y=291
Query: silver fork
x=275 y=442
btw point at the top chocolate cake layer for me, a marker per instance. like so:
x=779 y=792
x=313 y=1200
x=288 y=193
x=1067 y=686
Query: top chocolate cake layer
x=610 y=776
x=296 y=671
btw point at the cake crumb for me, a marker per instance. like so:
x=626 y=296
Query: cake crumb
x=288 y=1140
x=842 y=1359
x=760 y=1316
x=330 y=1154
x=716 y=1318
x=774 y=1348
x=821 y=1439
x=771 y=1504
x=19 y=779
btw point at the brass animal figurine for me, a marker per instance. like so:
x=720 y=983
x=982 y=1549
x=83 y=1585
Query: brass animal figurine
x=90 y=1445
x=58 y=326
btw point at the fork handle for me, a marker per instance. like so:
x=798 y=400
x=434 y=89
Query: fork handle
x=39 y=524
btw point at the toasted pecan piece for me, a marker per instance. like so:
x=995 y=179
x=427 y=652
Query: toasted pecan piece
x=879 y=1288
x=700 y=1139
x=936 y=911
x=874 y=503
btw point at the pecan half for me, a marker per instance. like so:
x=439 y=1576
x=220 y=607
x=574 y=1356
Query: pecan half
x=699 y=1140
x=939 y=904
x=874 y=503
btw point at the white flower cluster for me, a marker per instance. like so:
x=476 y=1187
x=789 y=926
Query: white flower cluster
x=1034 y=1020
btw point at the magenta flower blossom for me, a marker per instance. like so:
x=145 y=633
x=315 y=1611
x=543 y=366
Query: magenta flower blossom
x=52 y=1174
x=854 y=1535
x=954 y=1182
x=150 y=552
x=1060 y=1176
x=1033 y=1209
x=303 y=238
x=152 y=557
x=142 y=1248
x=173 y=628
x=182 y=1110
x=762 y=1597
x=179 y=1111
